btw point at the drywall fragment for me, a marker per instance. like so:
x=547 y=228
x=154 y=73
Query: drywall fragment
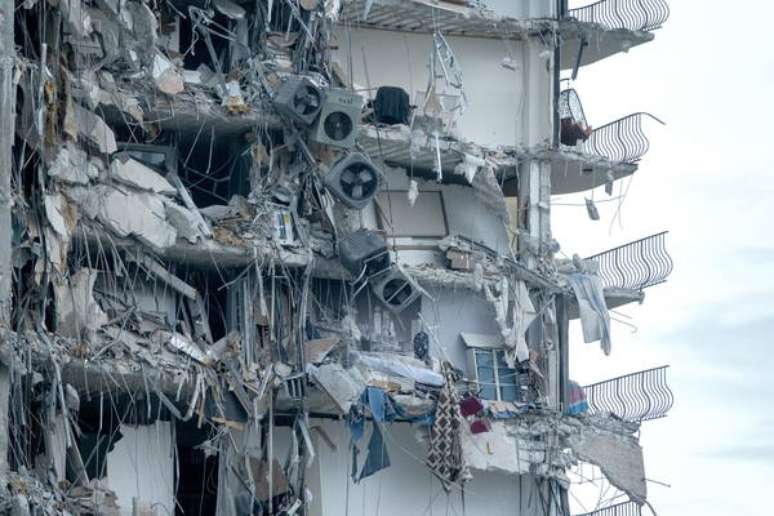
x=76 y=17
x=76 y=310
x=344 y=386
x=94 y=129
x=133 y=173
x=72 y=165
x=166 y=76
x=182 y=191
x=620 y=459
x=407 y=367
x=413 y=192
x=316 y=350
x=59 y=214
x=161 y=273
x=62 y=217
x=184 y=221
x=178 y=342
x=470 y=166
x=230 y=9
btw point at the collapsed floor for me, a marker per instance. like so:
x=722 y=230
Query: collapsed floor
x=202 y=306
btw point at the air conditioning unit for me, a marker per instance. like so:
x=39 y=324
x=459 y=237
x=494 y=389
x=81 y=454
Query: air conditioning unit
x=364 y=254
x=299 y=99
x=395 y=290
x=354 y=180
x=339 y=119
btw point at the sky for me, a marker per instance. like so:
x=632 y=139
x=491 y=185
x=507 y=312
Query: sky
x=708 y=180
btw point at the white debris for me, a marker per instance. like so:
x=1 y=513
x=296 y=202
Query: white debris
x=94 y=129
x=76 y=310
x=127 y=213
x=413 y=192
x=72 y=165
x=133 y=173
x=76 y=16
x=344 y=386
x=184 y=221
x=178 y=342
x=56 y=213
x=166 y=75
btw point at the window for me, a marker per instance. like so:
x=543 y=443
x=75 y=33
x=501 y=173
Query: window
x=426 y=219
x=495 y=379
x=487 y=366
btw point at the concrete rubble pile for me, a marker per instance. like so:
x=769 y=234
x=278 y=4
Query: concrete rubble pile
x=211 y=312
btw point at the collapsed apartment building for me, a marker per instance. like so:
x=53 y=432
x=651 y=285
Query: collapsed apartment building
x=295 y=257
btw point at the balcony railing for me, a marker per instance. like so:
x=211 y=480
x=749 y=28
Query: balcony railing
x=621 y=509
x=634 y=397
x=636 y=265
x=621 y=140
x=645 y=15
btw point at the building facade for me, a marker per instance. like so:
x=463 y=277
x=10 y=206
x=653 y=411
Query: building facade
x=295 y=257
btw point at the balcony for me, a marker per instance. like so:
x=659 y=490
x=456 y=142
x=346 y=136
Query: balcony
x=591 y=158
x=634 y=15
x=605 y=28
x=622 y=140
x=635 y=397
x=620 y=509
x=636 y=265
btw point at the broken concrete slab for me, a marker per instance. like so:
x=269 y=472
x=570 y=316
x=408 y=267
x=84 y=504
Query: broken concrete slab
x=94 y=129
x=184 y=221
x=619 y=458
x=72 y=165
x=128 y=214
x=133 y=173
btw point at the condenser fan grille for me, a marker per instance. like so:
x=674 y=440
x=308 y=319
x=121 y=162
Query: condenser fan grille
x=359 y=181
x=397 y=291
x=307 y=100
x=337 y=125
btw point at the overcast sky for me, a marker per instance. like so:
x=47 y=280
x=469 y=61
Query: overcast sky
x=708 y=178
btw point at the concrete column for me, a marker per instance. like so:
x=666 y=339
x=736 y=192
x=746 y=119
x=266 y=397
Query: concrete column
x=7 y=111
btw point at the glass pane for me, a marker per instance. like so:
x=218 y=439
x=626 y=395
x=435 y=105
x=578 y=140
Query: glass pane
x=508 y=384
x=486 y=377
x=484 y=358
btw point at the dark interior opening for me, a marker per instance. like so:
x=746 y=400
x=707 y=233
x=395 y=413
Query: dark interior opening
x=197 y=486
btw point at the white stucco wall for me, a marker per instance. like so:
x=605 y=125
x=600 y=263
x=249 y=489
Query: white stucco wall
x=465 y=215
x=523 y=8
x=454 y=312
x=407 y=487
x=504 y=108
x=142 y=465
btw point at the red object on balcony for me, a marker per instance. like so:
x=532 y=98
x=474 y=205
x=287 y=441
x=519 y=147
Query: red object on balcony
x=480 y=426
x=471 y=406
